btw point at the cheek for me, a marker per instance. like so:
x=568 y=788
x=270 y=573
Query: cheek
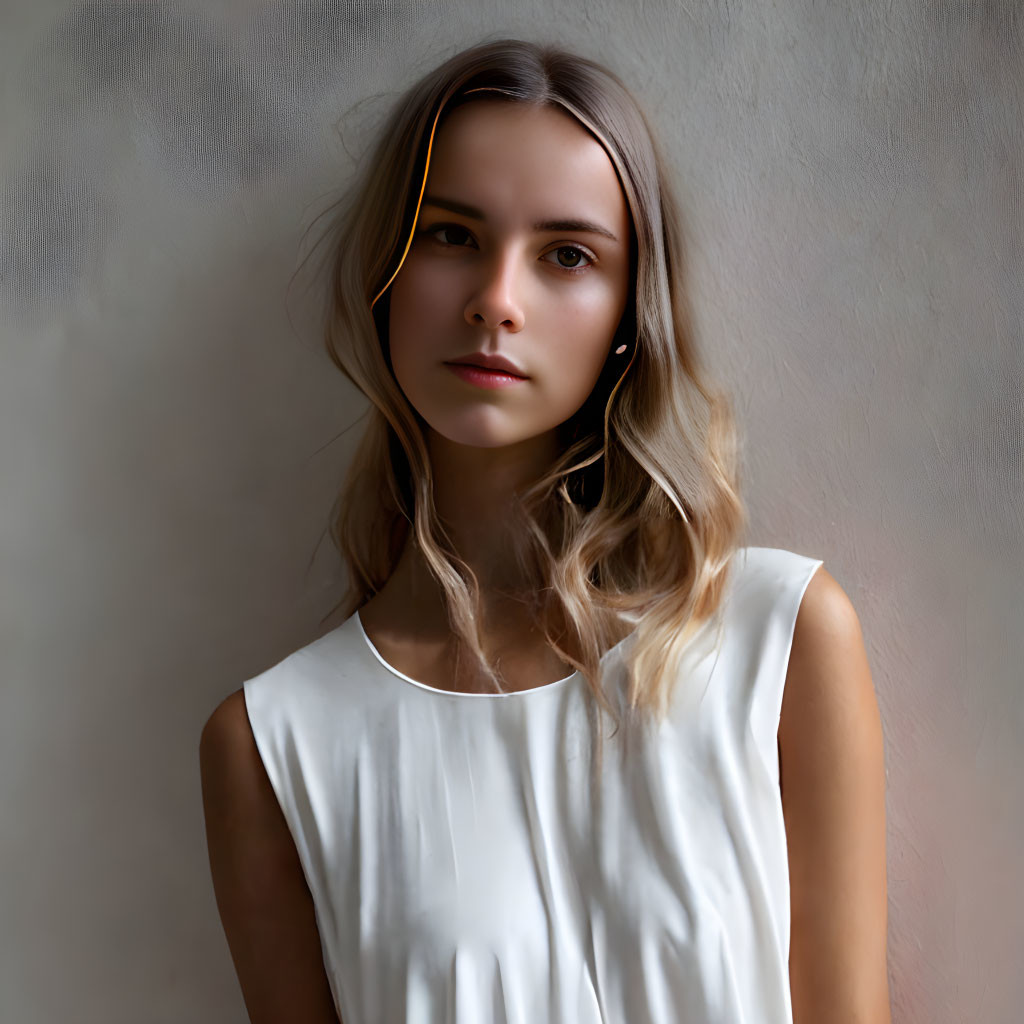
x=582 y=332
x=418 y=308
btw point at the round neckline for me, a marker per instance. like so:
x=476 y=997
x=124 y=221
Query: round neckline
x=743 y=550
x=459 y=693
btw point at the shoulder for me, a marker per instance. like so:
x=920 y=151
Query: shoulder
x=235 y=783
x=248 y=838
x=227 y=732
x=828 y=669
x=828 y=702
x=826 y=605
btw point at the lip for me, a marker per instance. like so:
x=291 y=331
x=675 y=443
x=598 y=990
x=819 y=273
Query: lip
x=484 y=378
x=486 y=361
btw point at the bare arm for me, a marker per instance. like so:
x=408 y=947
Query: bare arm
x=833 y=797
x=262 y=895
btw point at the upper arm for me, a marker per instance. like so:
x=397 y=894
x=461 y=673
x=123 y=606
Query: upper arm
x=261 y=891
x=833 y=798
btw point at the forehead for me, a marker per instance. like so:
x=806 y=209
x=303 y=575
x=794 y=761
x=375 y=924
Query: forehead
x=515 y=160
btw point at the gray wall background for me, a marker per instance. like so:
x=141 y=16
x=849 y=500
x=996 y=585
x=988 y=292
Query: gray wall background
x=169 y=427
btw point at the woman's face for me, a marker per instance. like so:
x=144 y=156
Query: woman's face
x=522 y=251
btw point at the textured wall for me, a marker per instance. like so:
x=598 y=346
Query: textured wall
x=852 y=177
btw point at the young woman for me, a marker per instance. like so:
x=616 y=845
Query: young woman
x=421 y=817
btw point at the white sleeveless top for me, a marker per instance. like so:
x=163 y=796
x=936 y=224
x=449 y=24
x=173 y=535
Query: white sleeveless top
x=461 y=872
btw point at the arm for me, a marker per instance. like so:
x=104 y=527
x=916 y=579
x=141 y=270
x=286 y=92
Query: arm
x=261 y=891
x=833 y=798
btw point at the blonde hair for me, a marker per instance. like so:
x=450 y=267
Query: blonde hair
x=631 y=532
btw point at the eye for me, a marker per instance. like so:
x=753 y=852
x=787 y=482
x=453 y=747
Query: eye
x=578 y=252
x=453 y=229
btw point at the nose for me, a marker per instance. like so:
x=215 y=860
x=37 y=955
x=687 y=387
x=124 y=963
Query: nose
x=495 y=301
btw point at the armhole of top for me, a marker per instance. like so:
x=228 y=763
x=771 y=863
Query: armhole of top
x=272 y=745
x=786 y=585
x=270 y=764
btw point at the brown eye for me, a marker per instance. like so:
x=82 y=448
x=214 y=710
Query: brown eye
x=575 y=253
x=457 y=234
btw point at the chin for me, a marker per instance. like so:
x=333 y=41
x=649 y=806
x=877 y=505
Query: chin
x=496 y=439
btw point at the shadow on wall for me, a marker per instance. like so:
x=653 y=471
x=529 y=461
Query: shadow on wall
x=217 y=107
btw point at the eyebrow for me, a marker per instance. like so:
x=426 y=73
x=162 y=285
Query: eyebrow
x=541 y=225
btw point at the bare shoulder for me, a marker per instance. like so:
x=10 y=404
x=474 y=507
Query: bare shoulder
x=828 y=682
x=829 y=706
x=833 y=796
x=826 y=611
x=265 y=905
x=234 y=779
x=227 y=730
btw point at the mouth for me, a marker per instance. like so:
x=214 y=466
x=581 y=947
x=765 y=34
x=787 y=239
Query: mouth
x=489 y=369
x=484 y=377
x=493 y=361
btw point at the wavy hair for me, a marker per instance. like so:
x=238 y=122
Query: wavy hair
x=630 y=533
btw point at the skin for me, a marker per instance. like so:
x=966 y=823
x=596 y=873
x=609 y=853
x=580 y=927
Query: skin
x=832 y=774
x=498 y=284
